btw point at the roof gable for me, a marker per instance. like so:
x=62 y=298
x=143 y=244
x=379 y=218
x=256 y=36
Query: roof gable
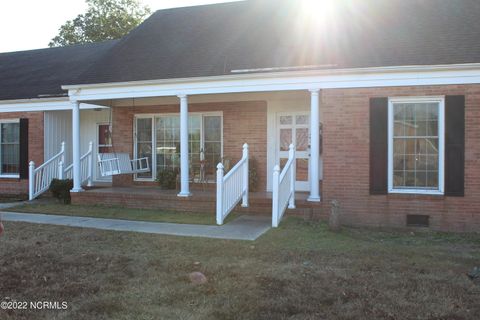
x=221 y=39
x=39 y=73
x=217 y=39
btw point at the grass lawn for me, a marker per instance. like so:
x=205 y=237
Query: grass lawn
x=53 y=207
x=299 y=271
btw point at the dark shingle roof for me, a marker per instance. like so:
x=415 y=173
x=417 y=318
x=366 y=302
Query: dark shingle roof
x=39 y=73
x=213 y=40
x=216 y=39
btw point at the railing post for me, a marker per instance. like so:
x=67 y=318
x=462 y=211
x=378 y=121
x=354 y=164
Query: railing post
x=220 y=194
x=291 y=155
x=245 y=176
x=61 y=170
x=62 y=151
x=31 y=179
x=276 y=182
x=90 y=164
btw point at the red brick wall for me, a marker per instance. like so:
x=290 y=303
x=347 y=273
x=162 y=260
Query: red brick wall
x=242 y=122
x=35 y=149
x=345 y=114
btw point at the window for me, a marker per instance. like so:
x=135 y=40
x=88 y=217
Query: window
x=104 y=138
x=416 y=144
x=212 y=142
x=204 y=134
x=10 y=148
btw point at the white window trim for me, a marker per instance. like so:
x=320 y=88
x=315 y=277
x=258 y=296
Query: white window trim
x=8 y=175
x=152 y=116
x=441 y=144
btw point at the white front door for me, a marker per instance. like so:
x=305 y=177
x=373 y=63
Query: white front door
x=293 y=127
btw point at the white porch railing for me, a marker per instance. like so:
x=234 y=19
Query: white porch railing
x=283 y=188
x=232 y=187
x=86 y=168
x=41 y=177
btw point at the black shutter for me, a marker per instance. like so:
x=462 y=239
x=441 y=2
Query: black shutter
x=454 y=146
x=23 y=165
x=378 y=145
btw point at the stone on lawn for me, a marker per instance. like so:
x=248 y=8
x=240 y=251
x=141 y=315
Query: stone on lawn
x=197 y=278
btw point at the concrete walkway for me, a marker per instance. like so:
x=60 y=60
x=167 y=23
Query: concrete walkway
x=6 y=205
x=242 y=228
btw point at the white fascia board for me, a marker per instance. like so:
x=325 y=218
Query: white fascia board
x=39 y=105
x=285 y=81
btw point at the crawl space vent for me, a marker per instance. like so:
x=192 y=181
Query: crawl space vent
x=417 y=220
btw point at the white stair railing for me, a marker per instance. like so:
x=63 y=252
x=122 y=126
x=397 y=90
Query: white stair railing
x=54 y=168
x=232 y=187
x=41 y=177
x=86 y=168
x=283 y=188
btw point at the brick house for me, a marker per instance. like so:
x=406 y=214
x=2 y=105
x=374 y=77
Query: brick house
x=380 y=99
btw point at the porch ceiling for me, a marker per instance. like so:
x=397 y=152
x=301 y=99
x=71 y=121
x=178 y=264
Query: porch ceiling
x=207 y=98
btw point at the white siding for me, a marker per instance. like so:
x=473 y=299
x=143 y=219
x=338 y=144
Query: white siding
x=58 y=128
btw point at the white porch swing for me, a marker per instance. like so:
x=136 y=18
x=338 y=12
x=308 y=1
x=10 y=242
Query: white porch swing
x=114 y=163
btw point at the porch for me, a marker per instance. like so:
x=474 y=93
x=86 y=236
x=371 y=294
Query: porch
x=211 y=128
x=260 y=203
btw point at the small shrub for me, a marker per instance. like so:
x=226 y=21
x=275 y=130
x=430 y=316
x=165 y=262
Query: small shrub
x=167 y=178
x=60 y=189
x=252 y=175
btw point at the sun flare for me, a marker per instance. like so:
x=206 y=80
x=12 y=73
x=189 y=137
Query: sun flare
x=319 y=7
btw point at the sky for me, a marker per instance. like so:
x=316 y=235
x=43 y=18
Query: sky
x=31 y=24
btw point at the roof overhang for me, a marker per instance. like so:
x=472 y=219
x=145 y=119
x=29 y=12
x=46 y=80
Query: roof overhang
x=41 y=104
x=281 y=81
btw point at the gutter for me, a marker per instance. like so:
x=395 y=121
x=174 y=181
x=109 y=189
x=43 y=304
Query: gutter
x=264 y=75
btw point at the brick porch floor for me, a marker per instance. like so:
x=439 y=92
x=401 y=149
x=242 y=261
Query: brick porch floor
x=200 y=201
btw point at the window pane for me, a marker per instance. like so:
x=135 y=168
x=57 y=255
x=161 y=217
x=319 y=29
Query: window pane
x=10 y=158
x=432 y=113
x=421 y=128
x=144 y=129
x=302 y=139
x=432 y=179
x=10 y=148
x=415 y=151
x=104 y=135
x=286 y=120
x=432 y=128
x=421 y=179
x=144 y=143
x=302 y=119
x=168 y=142
x=399 y=178
x=10 y=132
x=213 y=126
x=285 y=139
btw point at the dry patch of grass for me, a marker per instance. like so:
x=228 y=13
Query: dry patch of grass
x=98 y=211
x=299 y=271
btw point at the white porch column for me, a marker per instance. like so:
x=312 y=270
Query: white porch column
x=184 y=163
x=77 y=184
x=314 y=146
